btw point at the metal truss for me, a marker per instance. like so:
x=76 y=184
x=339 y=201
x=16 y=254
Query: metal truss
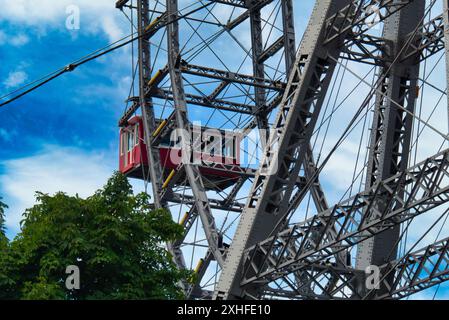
x=148 y=116
x=271 y=194
x=297 y=116
x=415 y=272
x=392 y=126
x=233 y=206
x=266 y=97
x=354 y=220
x=365 y=48
x=359 y=16
x=237 y=3
x=428 y=41
x=210 y=101
x=258 y=66
x=144 y=102
x=270 y=256
x=192 y=171
x=232 y=77
x=206 y=101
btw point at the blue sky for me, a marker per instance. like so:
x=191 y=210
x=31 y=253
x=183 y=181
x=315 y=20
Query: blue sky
x=64 y=136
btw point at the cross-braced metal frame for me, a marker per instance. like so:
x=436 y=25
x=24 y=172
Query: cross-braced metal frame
x=235 y=65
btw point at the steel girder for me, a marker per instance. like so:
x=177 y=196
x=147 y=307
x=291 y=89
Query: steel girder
x=428 y=41
x=289 y=34
x=271 y=193
x=334 y=25
x=258 y=68
x=446 y=45
x=148 y=117
x=310 y=168
x=354 y=17
x=237 y=3
x=271 y=50
x=366 y=48
x=121 y=3
x=205 y=101
x=192 y=171
x=146 y=104
x=298 y=114
x=232 y=206
x=210 y=101
x=232 y=77
x=414 y=272
x=336 y=32
x=417 y=271
x=354 y=221
x=180 y=98
x=149 y=91
x=392 y=126
x=258 y=80
x=144 y=52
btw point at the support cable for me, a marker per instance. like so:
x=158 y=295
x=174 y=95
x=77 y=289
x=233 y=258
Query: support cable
x=354 y=119
x=92 y=56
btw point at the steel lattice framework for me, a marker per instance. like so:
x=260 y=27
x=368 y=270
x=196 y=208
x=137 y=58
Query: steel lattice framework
x=237 y=64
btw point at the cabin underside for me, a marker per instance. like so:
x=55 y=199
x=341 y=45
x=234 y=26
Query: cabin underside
x=213 y=179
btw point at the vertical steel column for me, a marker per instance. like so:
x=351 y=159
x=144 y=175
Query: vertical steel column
x=316 y=189
x=149 y=121
x=285 y=153
x=289 y=56
x=154 y=163
x=446 y=41
x=392 y=126
x=258 y=67
x=289 y=34
x=192 y=171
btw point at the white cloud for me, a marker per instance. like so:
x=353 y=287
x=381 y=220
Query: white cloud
x=31 y=12
x=340 y=169
x=15 y=78
x=95 y=16
x=15 y=40
x=19 y=40
x=54 y=169
x=111 y=28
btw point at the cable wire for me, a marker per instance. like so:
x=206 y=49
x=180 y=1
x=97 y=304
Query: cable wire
x=94 y=55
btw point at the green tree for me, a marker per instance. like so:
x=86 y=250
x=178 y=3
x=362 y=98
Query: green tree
x=3 y=239
x=115 y=238
x=6 y=283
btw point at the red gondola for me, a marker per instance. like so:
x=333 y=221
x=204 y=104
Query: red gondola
x=219 y=169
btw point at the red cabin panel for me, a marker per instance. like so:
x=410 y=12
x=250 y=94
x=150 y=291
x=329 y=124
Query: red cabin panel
x=133 y=158
x=132 y=146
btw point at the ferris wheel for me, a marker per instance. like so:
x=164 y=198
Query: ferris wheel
x=302 y=159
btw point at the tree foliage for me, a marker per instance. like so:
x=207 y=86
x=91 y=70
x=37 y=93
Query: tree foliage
x=5 y=281
x=114 y=237
x=3 y=240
